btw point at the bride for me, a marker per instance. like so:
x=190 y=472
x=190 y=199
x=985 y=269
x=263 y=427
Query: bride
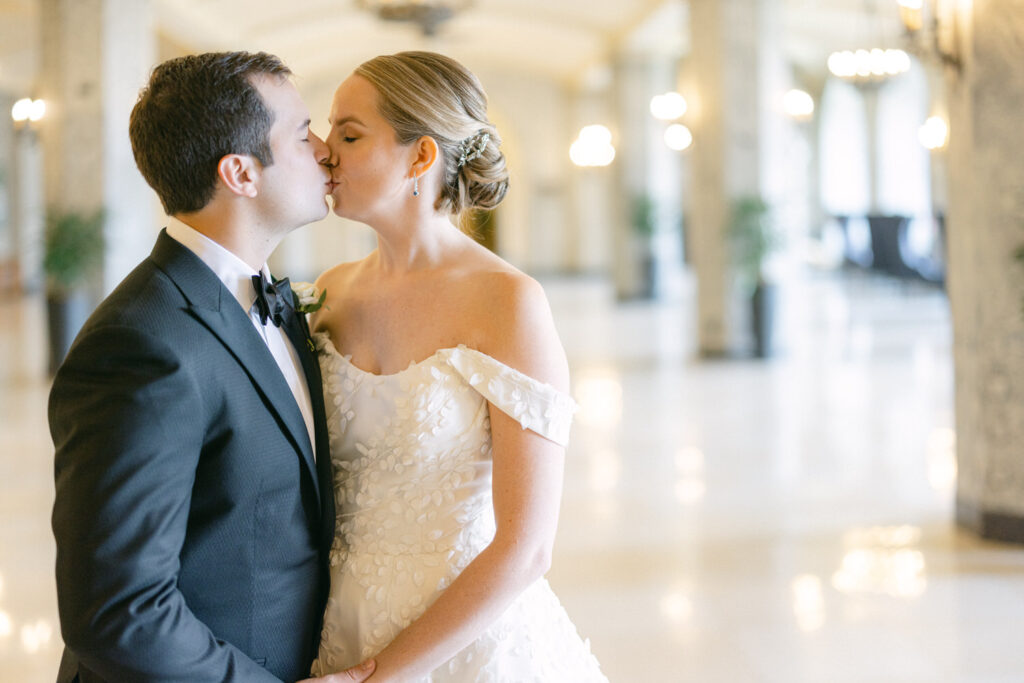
x=446 y=389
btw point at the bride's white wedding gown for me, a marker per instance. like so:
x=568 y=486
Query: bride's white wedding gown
x=412 y=459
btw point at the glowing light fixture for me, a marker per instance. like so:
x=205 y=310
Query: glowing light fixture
x=592 y=147
x=678 y=137
x=912 y=14
x=668 y=107
x=932 y=30
x=27 y=109
x=798 y=104
x=868 y=66
x=427 y=14
x=933 y=133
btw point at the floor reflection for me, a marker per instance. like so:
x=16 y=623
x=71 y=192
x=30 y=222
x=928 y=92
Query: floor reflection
x=882 y=560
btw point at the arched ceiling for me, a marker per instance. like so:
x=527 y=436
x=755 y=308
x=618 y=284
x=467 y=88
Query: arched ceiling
x=559 y=39
x=320 y=37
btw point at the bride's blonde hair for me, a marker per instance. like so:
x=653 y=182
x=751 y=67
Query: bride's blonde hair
x=429 y=94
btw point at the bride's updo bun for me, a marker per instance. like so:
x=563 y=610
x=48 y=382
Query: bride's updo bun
x=429 y=94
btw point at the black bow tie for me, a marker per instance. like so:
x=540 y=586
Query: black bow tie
x=271 y=298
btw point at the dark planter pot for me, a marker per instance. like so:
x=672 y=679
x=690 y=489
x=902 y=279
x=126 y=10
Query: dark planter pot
x=763 y=318
x=66 y=313
x=649 y=276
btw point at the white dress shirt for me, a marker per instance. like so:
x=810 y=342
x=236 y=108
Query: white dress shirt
x=236 y=275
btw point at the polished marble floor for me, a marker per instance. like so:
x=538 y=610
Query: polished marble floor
x=723 y=521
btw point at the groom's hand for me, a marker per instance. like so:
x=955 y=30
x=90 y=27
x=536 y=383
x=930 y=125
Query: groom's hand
x=354 y=675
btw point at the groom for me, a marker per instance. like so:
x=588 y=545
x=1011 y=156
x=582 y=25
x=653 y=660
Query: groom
x=194 y=511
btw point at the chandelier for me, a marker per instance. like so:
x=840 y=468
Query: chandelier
x=870 y=65
x=427 y=14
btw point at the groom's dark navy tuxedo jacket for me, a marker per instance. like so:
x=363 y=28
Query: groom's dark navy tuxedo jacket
x=192 y=522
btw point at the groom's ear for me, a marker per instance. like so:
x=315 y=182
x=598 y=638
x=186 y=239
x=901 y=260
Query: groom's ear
x=240 y=174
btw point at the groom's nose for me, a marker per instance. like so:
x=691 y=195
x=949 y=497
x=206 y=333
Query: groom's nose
x=320 y=150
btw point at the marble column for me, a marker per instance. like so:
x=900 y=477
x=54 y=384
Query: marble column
x=591 y=189
x=736 y=67
x=642 y=164
x=869 y=92
x=986 y=284
x=25 y=193
x=96 y=54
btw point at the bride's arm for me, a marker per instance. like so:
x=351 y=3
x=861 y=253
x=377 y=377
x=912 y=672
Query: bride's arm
x=527 y=486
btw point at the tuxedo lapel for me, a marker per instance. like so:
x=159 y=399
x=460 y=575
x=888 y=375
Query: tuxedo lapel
x=298 y=333
x=212 y=304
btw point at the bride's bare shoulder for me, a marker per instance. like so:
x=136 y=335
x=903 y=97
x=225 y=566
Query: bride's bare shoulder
x=338 y=284
x=509 y=314
x=339 y=274
x=491 y=280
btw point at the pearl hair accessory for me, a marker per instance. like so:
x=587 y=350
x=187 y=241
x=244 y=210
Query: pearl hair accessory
x=472 y=147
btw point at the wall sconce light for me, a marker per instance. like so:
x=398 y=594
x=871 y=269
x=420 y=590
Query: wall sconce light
x=798 y=105
x=592 y=147
x=930 y=36
x=678 y=137
x=668 y=107
x=28 y=110
x=912 y=14
x=933 y=133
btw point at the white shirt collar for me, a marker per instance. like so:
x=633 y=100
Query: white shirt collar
x=235 y=273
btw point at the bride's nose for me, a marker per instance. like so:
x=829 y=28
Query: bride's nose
x=320 y=150
x=330 y=159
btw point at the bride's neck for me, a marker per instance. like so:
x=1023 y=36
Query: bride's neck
x=424 y=245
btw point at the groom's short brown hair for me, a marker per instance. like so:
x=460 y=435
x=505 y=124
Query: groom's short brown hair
x=194 y=111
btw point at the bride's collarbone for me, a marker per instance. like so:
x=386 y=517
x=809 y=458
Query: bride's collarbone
x=387 y=349
x=390 y=360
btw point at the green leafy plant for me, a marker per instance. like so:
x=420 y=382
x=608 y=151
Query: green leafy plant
x=1019 y=255
x=643 y=215
x=753 y=236
x=72 y=248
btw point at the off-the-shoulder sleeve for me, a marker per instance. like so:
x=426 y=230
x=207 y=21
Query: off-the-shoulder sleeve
x=537 y=406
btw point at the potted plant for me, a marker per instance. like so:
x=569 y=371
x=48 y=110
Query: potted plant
x=72 y=250
x=1019 y=255
x=643 y=217
x=754 y=237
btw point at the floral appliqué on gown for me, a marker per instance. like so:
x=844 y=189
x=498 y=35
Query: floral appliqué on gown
x=412 y=459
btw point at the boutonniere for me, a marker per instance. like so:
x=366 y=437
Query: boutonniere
x=307 y=298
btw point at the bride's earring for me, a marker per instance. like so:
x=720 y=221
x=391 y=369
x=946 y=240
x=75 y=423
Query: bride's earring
x=415 y=186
